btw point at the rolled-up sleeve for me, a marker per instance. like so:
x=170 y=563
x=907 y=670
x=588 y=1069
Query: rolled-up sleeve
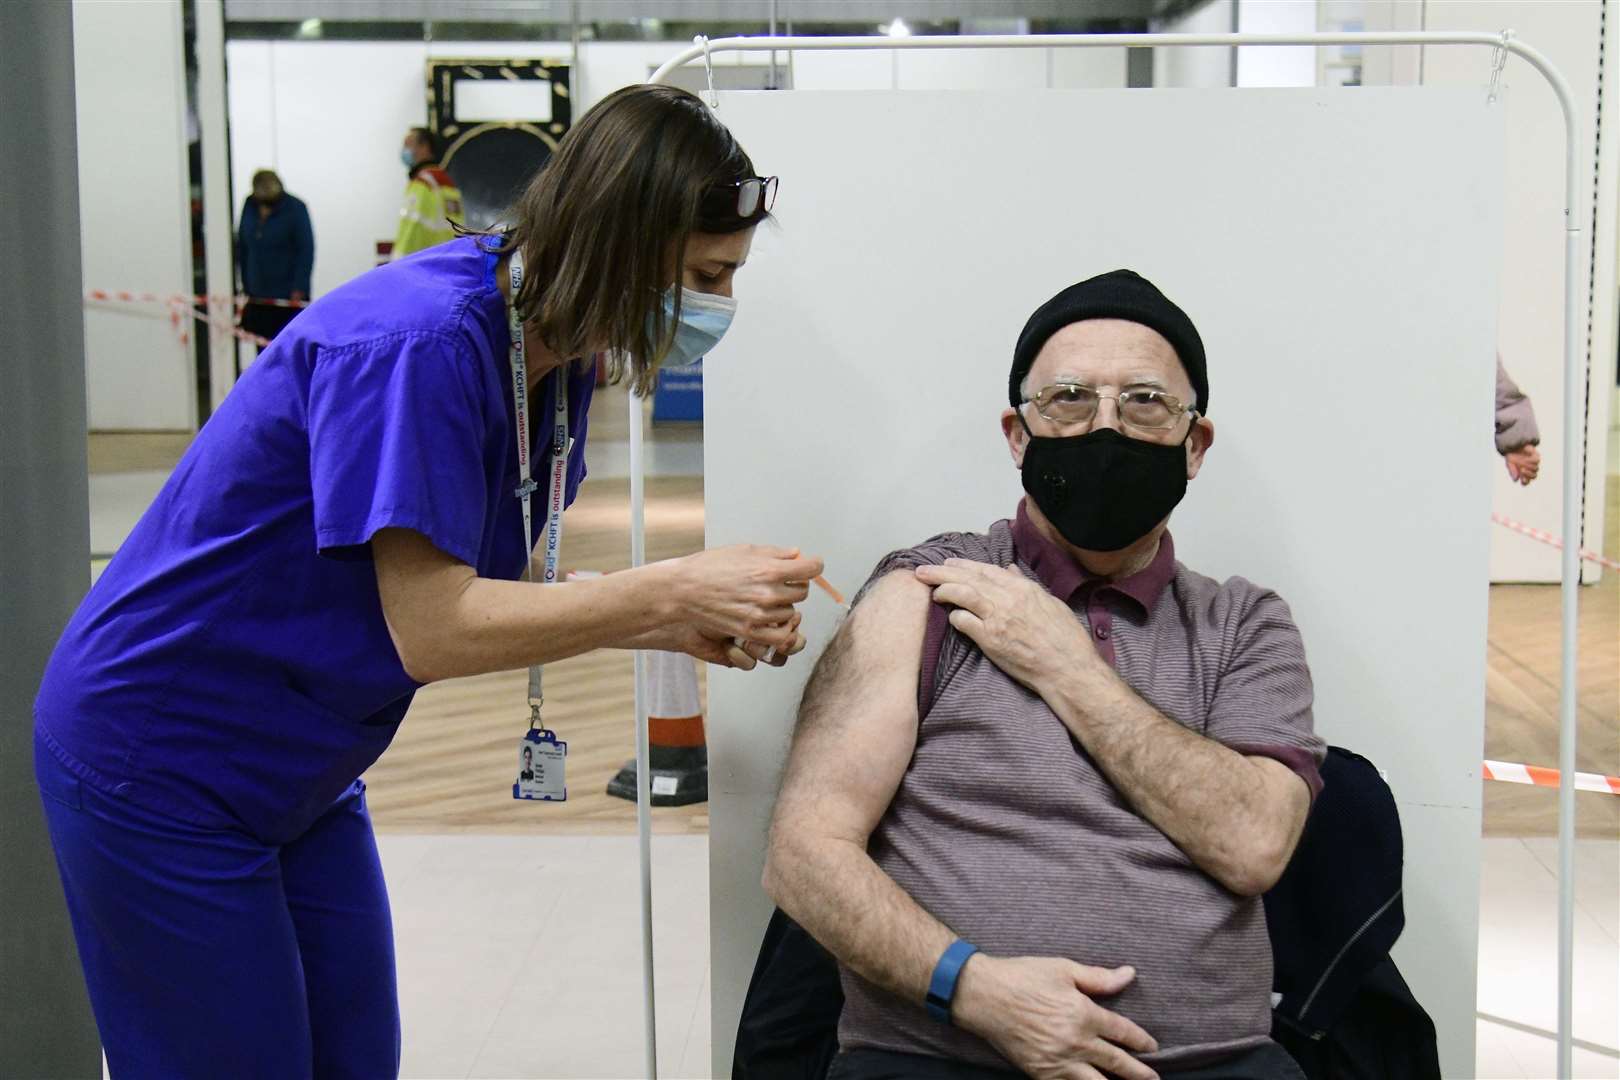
x=1262 y=702
x=1515 y=417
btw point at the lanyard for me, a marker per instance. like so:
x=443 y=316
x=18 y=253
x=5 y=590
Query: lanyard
x=559 y=459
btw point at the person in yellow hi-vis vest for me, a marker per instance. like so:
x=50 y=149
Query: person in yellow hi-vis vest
x=432 y=200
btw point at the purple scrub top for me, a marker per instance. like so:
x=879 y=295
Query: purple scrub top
x=232 y=667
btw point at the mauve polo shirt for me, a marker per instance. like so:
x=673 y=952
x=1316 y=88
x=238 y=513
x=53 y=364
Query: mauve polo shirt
x=1006 y=831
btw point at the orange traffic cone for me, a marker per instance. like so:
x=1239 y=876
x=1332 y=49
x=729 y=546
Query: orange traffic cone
x=677 y=754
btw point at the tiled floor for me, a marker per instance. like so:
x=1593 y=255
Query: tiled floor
x=117 y=501
x=520 y=956
x=1518 y=939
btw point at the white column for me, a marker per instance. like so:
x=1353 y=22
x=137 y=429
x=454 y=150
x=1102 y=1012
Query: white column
x=218 y=206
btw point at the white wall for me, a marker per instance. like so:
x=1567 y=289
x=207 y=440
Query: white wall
x=1391 y=65
x=129 y=78
x=1273 y=65
x=1531 y=330
x=1196 y=67
x=1307 y=336
x=328 y=116
x=1062 y=69
x=218 y=221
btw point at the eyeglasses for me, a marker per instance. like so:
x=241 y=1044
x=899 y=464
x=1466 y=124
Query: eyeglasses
x=744 y=198
x=1141 y=408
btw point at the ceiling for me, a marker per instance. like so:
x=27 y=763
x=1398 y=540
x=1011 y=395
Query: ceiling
x=872 y=12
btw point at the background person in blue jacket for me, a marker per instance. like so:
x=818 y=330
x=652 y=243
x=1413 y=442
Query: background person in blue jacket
x=276 y=249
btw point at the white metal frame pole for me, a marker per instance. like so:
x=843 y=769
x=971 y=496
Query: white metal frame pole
x=638 y=556
x=1574 y=471
x=1573 y=415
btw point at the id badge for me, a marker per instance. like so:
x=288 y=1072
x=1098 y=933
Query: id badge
x=542 y=759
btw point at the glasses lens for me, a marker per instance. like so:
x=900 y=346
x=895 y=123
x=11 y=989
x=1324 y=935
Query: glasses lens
x=748 y=193
x=1067 y=404
x=1145 y=409
x=770 y=194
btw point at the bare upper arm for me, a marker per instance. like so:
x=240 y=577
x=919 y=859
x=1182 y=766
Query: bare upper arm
x=419 y=586
x=857 y=723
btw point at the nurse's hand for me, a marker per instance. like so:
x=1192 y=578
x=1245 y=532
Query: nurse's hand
x=745 y=592
x=726 y=652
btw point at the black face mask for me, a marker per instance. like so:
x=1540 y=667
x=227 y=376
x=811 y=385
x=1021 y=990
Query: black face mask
x=1103 y=491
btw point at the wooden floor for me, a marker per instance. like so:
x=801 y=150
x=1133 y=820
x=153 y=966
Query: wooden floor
x=453 y=762
x=1521 y=696
x=136 y=451
x=451 y=765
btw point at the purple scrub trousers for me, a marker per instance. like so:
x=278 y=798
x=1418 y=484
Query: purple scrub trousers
x=210 y=954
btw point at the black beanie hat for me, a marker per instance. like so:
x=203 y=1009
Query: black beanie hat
x=1119 y=294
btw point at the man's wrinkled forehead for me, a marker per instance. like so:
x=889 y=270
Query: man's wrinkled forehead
x=1118 y=352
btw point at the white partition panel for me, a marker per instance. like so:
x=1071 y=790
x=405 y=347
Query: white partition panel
x=129 y=82
x=1338 y=251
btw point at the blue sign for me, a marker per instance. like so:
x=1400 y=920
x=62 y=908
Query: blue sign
x=679 y=397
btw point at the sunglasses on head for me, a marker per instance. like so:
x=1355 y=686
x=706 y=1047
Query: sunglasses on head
x=743 y=198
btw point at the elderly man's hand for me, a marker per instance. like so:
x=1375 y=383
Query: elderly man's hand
x=1038 y=1011
x=1024 y=630
x=1523 y=464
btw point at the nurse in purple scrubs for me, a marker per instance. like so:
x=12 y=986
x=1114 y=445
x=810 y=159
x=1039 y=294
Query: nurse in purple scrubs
x=343 y=530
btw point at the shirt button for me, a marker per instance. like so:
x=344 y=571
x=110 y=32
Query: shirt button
x=1102 y=633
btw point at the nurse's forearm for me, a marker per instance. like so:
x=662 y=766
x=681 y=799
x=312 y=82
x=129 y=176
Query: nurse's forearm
x=501 y=625
x=446 y=621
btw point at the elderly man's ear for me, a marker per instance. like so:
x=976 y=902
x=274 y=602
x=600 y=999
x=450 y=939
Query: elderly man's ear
x=1203 y=437
x=1017 y=438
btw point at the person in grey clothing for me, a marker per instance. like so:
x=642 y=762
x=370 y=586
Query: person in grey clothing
x=1516 y=433
x=1042 y=774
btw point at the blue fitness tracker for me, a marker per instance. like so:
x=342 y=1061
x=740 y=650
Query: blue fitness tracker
x=942 y=987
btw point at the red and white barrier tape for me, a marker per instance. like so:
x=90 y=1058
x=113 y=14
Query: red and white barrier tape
x=127 y=297
x=181 y=306
x=1553 y=541
x=1512 y=773
x=222 y=326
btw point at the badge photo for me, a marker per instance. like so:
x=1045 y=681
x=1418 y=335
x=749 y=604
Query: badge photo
x=542 y=760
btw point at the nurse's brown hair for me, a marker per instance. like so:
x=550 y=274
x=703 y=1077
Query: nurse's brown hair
x=603 y=225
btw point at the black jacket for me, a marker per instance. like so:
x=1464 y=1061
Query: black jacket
x=1344 y=1011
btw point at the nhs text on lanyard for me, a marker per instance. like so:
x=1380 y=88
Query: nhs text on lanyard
x=541 y=756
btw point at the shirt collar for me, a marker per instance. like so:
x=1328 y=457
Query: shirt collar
x=1063 y=576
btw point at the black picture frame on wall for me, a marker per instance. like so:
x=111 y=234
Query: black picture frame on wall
x=492 y=158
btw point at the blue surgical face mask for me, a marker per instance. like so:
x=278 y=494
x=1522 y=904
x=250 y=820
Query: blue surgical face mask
x=705 y=318
x=406 y=157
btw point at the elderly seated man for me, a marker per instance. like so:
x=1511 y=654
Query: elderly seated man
x=1043 y=773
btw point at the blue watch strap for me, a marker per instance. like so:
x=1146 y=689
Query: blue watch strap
x=942 y=987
